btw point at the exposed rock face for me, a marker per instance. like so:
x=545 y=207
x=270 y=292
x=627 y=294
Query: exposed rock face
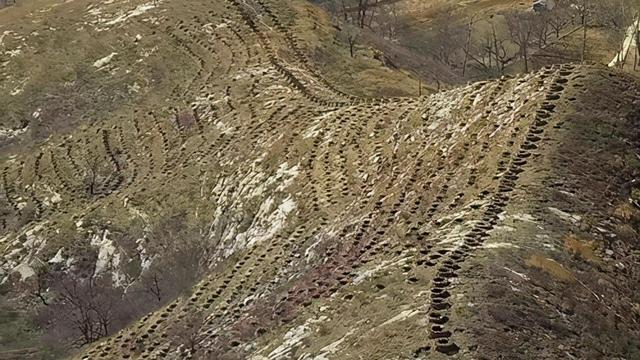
x=490 y=221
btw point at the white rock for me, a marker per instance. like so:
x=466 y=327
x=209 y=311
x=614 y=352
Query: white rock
x=104 y=61
x=57 y=258
x=25 y=271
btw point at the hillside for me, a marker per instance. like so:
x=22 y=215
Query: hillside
x=449 y=42
x=222 y=180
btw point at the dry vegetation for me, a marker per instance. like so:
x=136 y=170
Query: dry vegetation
x=451 y=42
x=263 y=179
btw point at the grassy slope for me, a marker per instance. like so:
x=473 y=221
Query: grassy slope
x=51 y=86
x=567 y=281
x=53 y=71
x=169 y=77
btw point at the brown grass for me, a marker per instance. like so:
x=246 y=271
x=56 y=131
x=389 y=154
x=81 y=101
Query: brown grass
x=580 y=247
x=551 y=267
x=625 y=212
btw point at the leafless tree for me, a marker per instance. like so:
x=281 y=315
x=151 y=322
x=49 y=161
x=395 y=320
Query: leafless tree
x=80 y=306
x=98 y=173
x=351 y=35
x=363 y=7
x=522 y=27
x=447 y=39
x=584 y=9
x=493 y=54
x=84 y=310
x=152 y=283
x=42 y=283
x=190 y=335
x=467 y=44
x=560 y=17
x=180 y=256
x=388 y=21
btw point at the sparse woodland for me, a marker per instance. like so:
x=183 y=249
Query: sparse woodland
x=485 y=46
x=80 y=305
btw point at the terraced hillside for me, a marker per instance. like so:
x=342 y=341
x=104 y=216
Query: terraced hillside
x=496 y=220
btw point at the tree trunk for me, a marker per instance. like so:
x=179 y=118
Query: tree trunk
x=583 y=54
x=637 y=48
x=495 y=47
x=344 y=11
x=466 y=47
x=351 y=45
x=362 y=12
x=373 y=14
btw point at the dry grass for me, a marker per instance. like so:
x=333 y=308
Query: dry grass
x=551 y=267
x=625 y=212
x=583 y=248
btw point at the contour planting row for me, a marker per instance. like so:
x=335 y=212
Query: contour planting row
x=507 y=175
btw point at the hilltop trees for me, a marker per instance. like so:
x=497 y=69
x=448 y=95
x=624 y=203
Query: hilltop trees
x=483 y=45
x=379 y=16
x=623 y=19
x=559 y=18
x=529 y=32
x=486 y=44
x=358 y=12
x=522 y=27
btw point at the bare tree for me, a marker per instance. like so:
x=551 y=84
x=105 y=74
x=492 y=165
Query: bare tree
x=351 y=35
x=542 y=29
x=181 y=256
x=447 y=39
x=467 y=45
x=522 y=27
x=490 y=56
x=388 y=21
x=42 y=284
x=496 y=51
x=344 y=10
x=560 y=17
x=98 y=173
x=584 y=8
x=151 y=282
x=363 y=7
x=189 y=336
x=84 y=310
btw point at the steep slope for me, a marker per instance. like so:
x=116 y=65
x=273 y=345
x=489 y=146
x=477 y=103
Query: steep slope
x=490 y=221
